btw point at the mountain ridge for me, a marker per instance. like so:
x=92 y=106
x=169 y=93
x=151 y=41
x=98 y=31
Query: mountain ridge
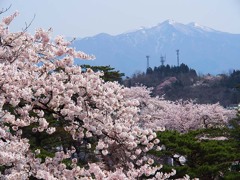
x=202 y=48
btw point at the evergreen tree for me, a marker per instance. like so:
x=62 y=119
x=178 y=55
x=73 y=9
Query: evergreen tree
x=110 y=74
x=207 y=157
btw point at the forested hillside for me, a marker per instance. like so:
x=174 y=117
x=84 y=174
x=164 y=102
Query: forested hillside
x=182 y=82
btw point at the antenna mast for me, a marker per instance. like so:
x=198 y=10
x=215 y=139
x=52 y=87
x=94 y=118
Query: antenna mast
x=147 y=61
x=163 y=59
x=177 y=56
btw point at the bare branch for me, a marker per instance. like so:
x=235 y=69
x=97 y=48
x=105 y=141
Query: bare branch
x=28 y=25
x=5 y=10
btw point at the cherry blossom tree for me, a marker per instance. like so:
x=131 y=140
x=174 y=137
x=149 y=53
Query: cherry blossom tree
x=42 y=90
x=159 y=114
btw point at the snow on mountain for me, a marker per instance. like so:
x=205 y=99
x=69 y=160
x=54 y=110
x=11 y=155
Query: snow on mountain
x=202 y=48
x=200 y=27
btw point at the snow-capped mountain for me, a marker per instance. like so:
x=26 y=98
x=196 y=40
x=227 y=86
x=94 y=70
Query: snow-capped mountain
x=202 y=48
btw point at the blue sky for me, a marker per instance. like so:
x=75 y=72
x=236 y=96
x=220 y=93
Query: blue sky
x=81 y=18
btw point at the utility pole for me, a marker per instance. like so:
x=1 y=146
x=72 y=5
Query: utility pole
x=177 y=56
x=147 y=61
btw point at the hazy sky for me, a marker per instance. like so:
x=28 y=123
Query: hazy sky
x=81 y=18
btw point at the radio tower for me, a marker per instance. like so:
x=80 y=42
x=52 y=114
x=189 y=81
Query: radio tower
x=163 y=59
x=147 y=61
x=177 y=56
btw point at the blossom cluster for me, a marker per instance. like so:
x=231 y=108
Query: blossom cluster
x=160 y=114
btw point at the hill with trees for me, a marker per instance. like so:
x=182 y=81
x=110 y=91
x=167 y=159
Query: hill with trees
x=182 y=82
